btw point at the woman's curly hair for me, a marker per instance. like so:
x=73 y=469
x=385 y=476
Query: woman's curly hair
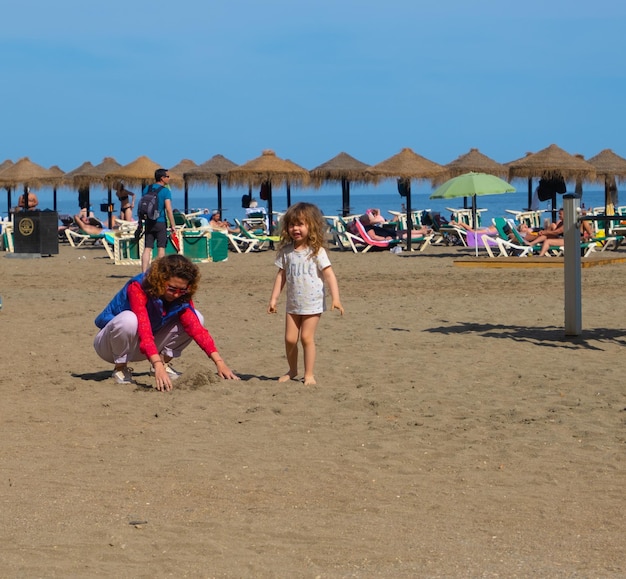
x=167 y=267
x=311 y=215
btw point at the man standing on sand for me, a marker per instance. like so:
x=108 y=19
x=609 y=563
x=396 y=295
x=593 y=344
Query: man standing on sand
x=157 y=229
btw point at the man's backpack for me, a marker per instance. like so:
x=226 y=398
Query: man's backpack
x=149 y=204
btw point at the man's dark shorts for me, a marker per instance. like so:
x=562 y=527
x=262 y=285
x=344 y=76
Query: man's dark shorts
x=156 y=230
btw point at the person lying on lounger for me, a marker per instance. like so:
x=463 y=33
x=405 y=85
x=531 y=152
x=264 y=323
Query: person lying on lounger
x=89 y=225
x=378 y=232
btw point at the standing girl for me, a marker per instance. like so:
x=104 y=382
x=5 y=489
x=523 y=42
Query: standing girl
x=303 y=266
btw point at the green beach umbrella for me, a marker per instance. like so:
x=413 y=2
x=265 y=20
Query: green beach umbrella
x=471 y=185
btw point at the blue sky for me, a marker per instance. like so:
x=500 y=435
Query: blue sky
x=309 y=79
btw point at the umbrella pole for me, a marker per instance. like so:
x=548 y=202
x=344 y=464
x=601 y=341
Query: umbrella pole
x=110 y=207
x=8 y=201
x=54 y=198
x=475 y=222
x=219 y=194
x=409 y=215
x=270 y=210
x=345 y=197
x=186 y=197
x=25 y=197
x=288 y=194
x=530 y=193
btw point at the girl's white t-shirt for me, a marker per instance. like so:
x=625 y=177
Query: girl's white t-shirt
x=304 y=284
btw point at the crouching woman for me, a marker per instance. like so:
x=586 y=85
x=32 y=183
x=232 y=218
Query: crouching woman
x=153 y=317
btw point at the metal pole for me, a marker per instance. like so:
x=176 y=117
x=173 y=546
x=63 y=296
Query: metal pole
x=571 y=266
x=219 y=195
x=409 y=214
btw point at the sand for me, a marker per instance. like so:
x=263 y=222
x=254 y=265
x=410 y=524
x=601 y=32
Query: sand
x=453 y=432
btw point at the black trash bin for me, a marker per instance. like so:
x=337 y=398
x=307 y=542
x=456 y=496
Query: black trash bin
x=36 y=232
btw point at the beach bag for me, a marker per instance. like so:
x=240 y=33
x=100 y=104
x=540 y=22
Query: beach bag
x=549 y=187
x=149 y=204
x=264 y=194
x=403 y=187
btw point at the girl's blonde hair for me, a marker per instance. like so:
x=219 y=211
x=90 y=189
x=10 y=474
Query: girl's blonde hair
x=310 y=215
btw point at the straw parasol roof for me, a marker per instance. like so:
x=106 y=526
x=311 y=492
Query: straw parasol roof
x=5 y=165
x=474 y=161
x=103 y=169
x=182 y=167
x=342 y=167
x=57 y=175
x=551 y=162
x=210 y=171
x=268 y=168
x=139 y=172
x=608 y=164
x=407 y=165
x=82 y=176
x=24 y=172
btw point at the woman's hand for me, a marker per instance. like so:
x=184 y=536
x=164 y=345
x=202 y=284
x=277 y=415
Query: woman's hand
x=225 y=372
x=162 y=380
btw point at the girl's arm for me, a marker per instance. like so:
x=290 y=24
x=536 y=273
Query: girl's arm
x=279 y=283
x=333 y=287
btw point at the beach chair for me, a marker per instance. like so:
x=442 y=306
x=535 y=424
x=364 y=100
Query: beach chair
x=421 y=242
x=445 y=233
x=341 y=237
x=7 y=236
x=349 y=238
x=240 y=243
x=77 y=238
x=263 y=241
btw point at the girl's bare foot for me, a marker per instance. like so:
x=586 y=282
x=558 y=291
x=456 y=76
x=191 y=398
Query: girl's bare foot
x=309 y=381
x=287 y=377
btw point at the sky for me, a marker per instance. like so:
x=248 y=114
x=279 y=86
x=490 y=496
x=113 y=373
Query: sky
x=309 y=79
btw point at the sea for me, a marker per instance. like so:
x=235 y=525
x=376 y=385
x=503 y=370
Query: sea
x=328 y=198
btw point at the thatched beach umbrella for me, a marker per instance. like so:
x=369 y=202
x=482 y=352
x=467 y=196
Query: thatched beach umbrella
x=25 y=173
x=81 y=179
x=404 y=166
x=5 y=165
x=267 y=170
x=140 y=172
x=343 y=169
x=211 y=171
x=474 y=161
x=100 y=173
x=550 y=163
x=56 y=176
x=608 y=166
x=103 y=169
x=180 y=169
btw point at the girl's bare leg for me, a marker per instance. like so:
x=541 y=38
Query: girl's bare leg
x=307 y=337
x=292 y=331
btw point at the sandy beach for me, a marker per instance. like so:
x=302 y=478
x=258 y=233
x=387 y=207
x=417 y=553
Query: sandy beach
x=453 y=432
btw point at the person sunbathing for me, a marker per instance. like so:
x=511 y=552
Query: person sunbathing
x=378 y=231
x=586 y=233
x=489 y=230
x=89 y=225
